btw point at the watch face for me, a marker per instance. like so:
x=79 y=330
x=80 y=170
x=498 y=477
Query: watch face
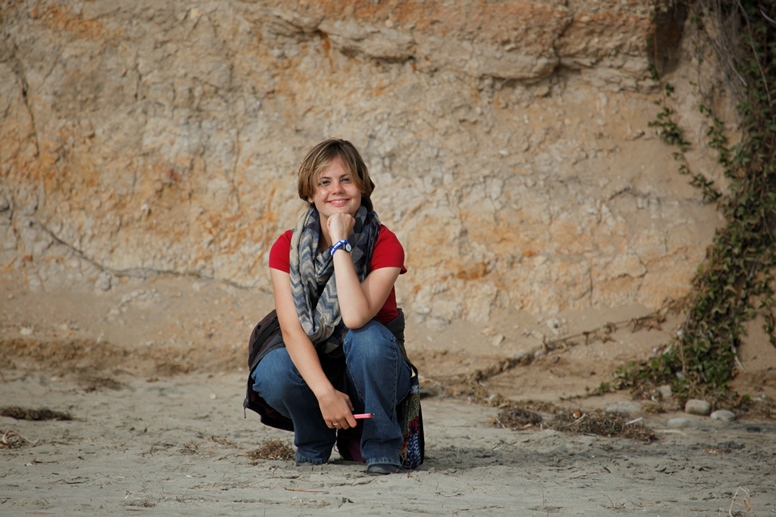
x=347 y=247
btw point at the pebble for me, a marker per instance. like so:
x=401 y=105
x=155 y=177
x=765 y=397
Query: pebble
x=723 y=415
x=431 y=390
x=624 y=408
x=665 y=391
x=521 y=355
x=697 y=407
x=104 y=282
x=677 y=423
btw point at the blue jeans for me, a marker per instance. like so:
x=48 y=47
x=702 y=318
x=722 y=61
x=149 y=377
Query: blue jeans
x=378 y=378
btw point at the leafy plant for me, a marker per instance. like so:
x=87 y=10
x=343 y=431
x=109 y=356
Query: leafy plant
x=735 y=281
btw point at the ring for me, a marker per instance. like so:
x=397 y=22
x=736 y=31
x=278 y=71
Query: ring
x=335 y=424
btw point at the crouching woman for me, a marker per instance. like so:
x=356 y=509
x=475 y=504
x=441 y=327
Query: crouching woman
x=342 y=334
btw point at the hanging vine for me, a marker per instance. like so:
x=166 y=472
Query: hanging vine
x=734 y=283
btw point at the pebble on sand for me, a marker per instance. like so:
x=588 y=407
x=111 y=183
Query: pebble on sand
x=724 y=415
x=697 y=407
x=678 y=423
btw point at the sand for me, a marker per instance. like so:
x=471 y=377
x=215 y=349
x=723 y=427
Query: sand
x=151 y=374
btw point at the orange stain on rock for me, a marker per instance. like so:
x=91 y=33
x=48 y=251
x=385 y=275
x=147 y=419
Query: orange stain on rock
x=63 y=19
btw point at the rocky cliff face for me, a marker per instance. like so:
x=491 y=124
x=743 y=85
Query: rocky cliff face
x=509 y=142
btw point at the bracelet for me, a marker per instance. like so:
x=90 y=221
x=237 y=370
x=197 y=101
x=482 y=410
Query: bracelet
x=344 y=245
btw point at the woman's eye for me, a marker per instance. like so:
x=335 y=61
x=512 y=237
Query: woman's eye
x=345 y=180
x=324 y=183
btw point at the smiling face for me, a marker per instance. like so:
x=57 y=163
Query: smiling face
x=336 y=192
x=326 y=163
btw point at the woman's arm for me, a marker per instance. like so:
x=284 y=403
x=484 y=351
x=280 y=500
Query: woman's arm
x=335 y=405
x=359 y=301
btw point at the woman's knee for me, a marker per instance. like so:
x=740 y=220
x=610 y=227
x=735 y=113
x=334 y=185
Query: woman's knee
x=276 y=377
x=372 y=342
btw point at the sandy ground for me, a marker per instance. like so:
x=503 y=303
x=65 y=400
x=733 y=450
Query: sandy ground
x=153 y=376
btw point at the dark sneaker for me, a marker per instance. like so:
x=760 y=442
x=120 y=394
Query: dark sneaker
x=381 y=469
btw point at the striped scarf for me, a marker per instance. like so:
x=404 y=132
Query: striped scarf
x=312 y=276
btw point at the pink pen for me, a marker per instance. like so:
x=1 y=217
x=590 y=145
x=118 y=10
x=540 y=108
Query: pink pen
x=361 y=416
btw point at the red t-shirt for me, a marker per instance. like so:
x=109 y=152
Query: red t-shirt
x=388 y=252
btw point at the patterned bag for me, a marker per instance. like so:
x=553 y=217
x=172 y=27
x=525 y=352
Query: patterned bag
x=411 y=419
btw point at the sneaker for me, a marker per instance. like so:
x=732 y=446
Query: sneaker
x=381 y=469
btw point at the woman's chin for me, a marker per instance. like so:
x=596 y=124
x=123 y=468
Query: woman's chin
x=345 y=209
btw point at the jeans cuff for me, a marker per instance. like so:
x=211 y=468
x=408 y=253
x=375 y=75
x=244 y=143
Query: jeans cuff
x=302 y=461
x=384 y=461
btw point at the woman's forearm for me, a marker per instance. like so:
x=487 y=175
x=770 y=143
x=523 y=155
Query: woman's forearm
x=354 y=304
x=298 y=344
x=305 y=358
x=360 y=301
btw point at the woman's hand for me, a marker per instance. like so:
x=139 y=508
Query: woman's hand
x=337 y=410
x=340 y=226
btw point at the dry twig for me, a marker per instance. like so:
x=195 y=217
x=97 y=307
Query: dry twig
x=13 y=440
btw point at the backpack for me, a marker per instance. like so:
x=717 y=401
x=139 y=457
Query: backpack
x=265 y=337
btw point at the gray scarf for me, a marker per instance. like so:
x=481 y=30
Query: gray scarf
x=312 y=275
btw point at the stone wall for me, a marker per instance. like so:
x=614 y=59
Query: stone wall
x=509 y=142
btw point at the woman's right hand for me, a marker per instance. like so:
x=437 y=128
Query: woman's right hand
x=337 y=410
x=340 y=226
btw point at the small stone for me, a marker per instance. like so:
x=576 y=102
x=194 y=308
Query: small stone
x=624 y=408
x=665 y=391
x=723 y=415
x=104 y=282
x=522 y=357
x=556 y=325
x=431 y=391
x=497 y=340
x=697 y=407
x=677 y=423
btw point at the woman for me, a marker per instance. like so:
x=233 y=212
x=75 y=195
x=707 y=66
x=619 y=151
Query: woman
x=333 y=284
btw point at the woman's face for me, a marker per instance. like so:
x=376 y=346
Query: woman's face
x=336 y=192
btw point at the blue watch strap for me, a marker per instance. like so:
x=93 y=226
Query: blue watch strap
x=339 y=245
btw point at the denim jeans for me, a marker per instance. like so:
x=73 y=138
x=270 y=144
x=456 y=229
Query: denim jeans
x=378 y=378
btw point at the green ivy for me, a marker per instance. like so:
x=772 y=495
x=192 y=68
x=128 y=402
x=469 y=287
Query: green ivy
x=735 y=281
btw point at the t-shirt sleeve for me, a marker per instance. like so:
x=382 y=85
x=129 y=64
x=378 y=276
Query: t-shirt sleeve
x=388 y=251
x=280 y=253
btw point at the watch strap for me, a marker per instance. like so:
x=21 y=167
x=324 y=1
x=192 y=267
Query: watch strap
x=343 y=244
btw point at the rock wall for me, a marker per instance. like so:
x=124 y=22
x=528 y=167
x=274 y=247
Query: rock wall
x=509 y=142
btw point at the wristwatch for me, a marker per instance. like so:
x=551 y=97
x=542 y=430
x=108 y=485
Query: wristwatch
x=345 y=245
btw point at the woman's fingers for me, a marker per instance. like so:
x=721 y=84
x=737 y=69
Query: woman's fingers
x=340 y=226
x=338 y=412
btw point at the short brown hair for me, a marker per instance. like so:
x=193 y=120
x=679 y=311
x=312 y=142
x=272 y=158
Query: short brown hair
x=320 y=156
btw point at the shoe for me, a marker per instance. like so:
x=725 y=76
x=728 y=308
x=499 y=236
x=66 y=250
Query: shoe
x=381 y=469
x=308 y=463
